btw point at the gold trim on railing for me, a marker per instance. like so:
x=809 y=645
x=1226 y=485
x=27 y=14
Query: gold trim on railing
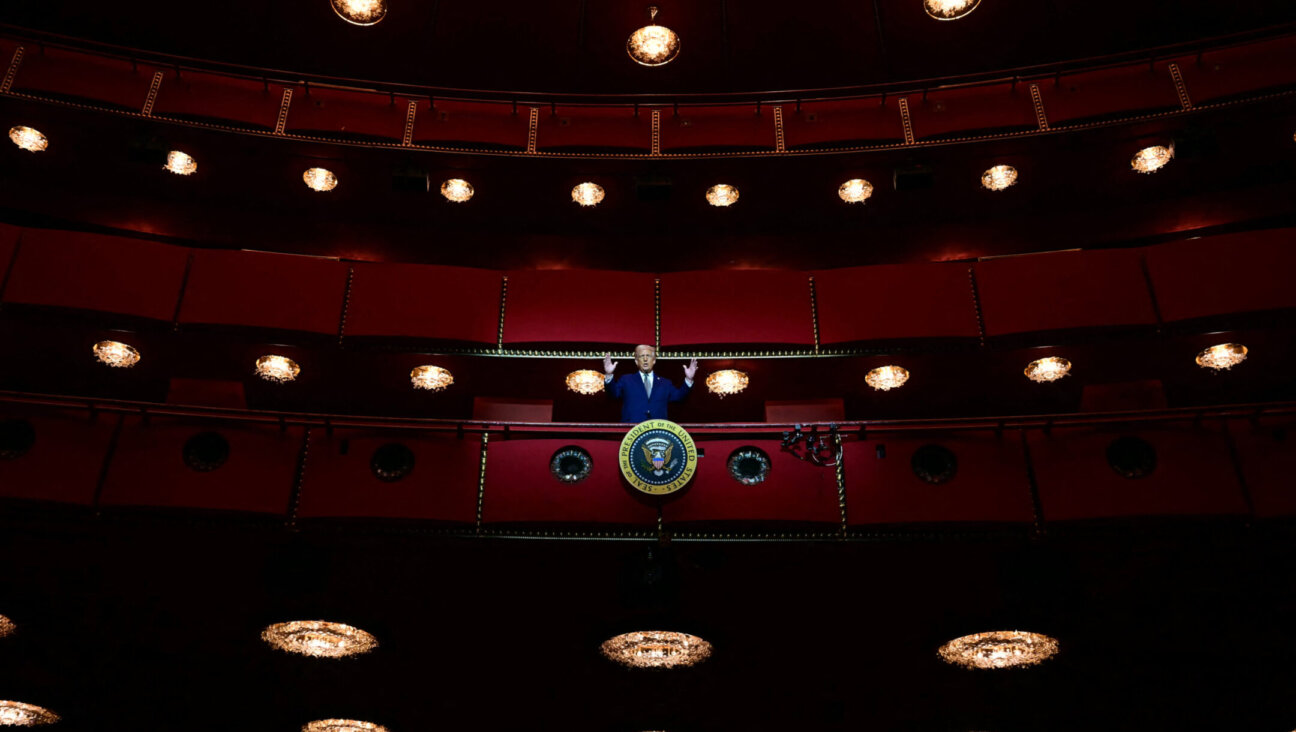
x=904 y=120
x=1041 y=117
x=284 y=103
x=154 y=86
x=1181 y=88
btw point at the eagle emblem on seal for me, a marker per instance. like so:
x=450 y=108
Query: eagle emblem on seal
x=658 y=456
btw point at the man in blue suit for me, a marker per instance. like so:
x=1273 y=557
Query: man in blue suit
x=643 y=394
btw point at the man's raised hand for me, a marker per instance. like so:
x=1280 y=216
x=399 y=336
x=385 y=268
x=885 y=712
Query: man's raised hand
x=691 y=370
x=608 y=364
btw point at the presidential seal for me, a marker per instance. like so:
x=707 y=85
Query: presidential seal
x=658 y=457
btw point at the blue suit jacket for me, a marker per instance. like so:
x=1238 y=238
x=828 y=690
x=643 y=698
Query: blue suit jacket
x=636 y=406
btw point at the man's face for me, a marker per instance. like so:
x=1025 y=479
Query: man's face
x=645 y=357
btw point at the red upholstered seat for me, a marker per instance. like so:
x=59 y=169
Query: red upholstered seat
x=475 y=125
x=1219 y=275
x=793 y=491
x=148 y=468
x=442 y=486
x=259 y=290
x=1105 y=93
x=204 y=97
x=107 y=274
x=424 y=301
x=989 y=484
x=972 y=110
x=595 y=129
x=892 y=302
x=520 y=488
x=88 y=77
x=735 y=306
x=839 y=123
x=720 y=129
x=1046 y=292
x=63 y=463
x=579 y=306
x=347 y=113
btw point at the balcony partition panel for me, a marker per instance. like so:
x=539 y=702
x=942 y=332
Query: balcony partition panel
x=63 y=462
x=736 y=128
x=895 y=302
x=624 y=129
x=448 y=123
x=218 y=99
x=424 y=301
x=794 y=491
x=1224 y=73
x=260 y=290
x=579 y=306
x=347 y=113
x=1222 y=275
x=834 y=123
x=1268 y=462
x=85 y=77
x=1101 y=94
x=971 y=110
x=736 y=307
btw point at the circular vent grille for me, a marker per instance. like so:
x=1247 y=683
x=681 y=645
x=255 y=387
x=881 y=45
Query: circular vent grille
x=1131 y=457
x=571 y=464
x=934 y=464
x=205 y=451
x=749 y=465
x=391 y=462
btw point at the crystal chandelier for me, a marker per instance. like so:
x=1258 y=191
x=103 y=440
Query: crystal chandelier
x=656 y=649
x=360 y=12
x=431 y=378
x=587 y=194
x=319 y=638
x=653 y=45
x=320 y=179
x=18 y=714
x=7 y=627
x=886 y=378
x=28 y=139
x=999 y=649
x=855 y=190
x=342 y=725
x=1151 y=159
x=279 y=369
x=115 y=354
x=726 y=382
x=180 y=163
x=1222 y=357
x=999 y=177
x=585 y=381
x=949 y=9
x=722 y=194
x=1047 y=369
x=457 y=190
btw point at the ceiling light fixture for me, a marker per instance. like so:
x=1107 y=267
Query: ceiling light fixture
x=653 y=45
x=457 y=190
x=180 y=163
x=999 y=177
x=587 y=194
x=7 y=627
x=360 y=12
x=722 y=194
x=1047 y=369
x=585 y=381
x=999 y=649
x=320 y=179
x=18 y=714
x=855 y=190
x=430 y=378
x=319 y=638
x=886 y=378
x=1151 y=159
x=1222 y=357
x=116 y=354
x=28 y=139
x=656 y=649
x=726 y=382
x=949 y=9
x=342 y=725
x=279 y=369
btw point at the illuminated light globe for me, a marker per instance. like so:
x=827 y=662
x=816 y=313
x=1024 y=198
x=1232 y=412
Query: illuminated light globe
x=656 y=649
x=1047 y=369
x=28 y=139
x=430 y=378
x=722 y=195
x=585 y=381
x=999 y=178
x=279 y=369
x=724 y=383
x=999 y=649
x=653 y=45
x=18 y=714
x=855 y=190
x=1222 y=357
x=1151 y=159
x=7 y=627
x=320 y=179
x=360 y=12
x=180 y=163
x=115 y=354
x=319 y=638
x=342 y=725
x=949 y=9
x=457 y=190
x=886 y=378
x=587 y=194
